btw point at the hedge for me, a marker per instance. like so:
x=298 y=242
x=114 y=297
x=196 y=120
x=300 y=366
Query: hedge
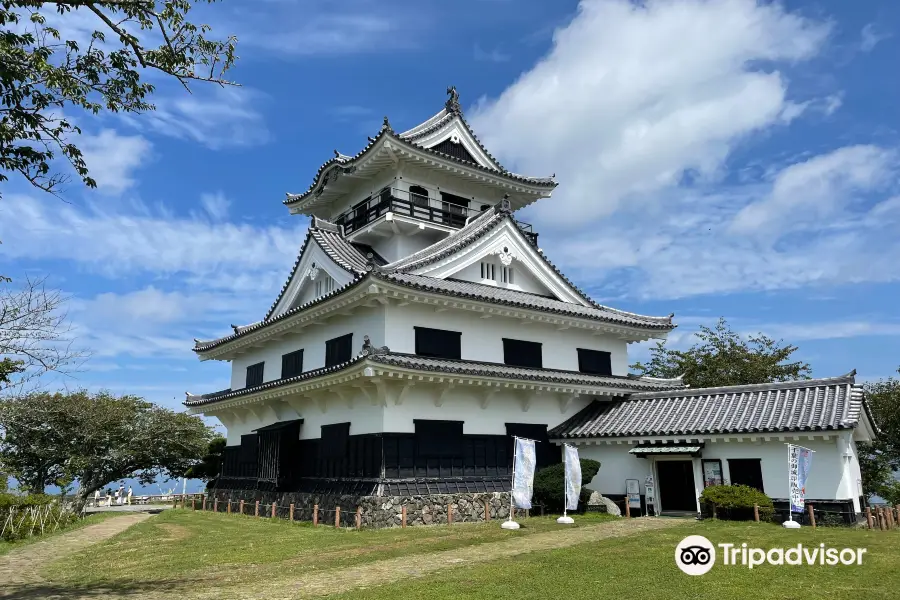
x=549 y=485
x=736 y=502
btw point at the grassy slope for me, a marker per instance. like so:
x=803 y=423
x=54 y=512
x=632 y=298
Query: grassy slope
x=184 y=545
x=88 y=520
x=643 y=566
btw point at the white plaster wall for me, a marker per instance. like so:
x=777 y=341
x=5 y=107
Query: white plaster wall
x=364 y=321
x=482 y=339
x=363 y=417
x=523 y=281
x=464 y=404
x=616 y=465
x=826 y=478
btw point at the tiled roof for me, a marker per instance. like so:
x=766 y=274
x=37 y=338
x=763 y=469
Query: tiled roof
x=508 y=297
x=409 y=138
x=467 y=235
x=439 y=365
x=806 y=405
x=648 y=449
x=330 y=238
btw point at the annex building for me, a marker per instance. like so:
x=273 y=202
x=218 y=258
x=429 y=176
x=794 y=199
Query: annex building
x=422 y=326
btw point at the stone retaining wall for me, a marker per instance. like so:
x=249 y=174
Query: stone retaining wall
x=376 y=511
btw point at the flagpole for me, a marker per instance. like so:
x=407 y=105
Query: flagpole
x=790 y=490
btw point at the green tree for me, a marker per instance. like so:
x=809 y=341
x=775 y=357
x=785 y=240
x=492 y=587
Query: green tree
x=723 y=357
x=209 y=467
x=549 y=484
x=880 y=459
x=47 y=72
x=95 y=439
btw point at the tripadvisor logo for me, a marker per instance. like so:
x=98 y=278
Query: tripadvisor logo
x=696 y=555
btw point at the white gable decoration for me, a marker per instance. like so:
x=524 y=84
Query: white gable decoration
x=508 y=247
x=310 y=278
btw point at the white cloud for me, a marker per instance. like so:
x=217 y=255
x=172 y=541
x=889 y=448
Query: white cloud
x=112 y=158
x=869 y=37
x=214 y=116
x=146 y=241
x=632 y=96
x=687 y=244
x=494 y=55
x=816 y=189
x=216 y=205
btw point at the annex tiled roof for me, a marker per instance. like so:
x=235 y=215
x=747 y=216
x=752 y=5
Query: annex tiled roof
x=508 y=297
x=806 y=405
x=649 y=449
x=448 y=366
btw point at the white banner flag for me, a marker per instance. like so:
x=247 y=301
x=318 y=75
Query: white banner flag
x=573 y=477
x=523 y=477
x=799 y=461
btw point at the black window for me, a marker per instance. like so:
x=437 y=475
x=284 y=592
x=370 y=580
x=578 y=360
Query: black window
x=522 y=354
x=338 y=350
x=438 y=342
x=418 y=195
x=454 y=199
x=596 y=362
x=255 y=374
x=746 y=471
x=439 y=439
x=291 y=364
x=334 y=440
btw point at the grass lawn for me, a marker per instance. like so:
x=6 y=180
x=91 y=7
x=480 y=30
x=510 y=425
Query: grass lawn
x=644 y=566
x=88 y=520
x=207 y=555
x=183 y=544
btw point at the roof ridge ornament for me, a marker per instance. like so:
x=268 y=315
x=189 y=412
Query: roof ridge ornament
x=386 y=125
x=452 y=104
x=504 y=205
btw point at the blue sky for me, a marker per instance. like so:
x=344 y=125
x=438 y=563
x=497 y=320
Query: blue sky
x=715 y=158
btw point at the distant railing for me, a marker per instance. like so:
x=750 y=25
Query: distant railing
x=403 y=202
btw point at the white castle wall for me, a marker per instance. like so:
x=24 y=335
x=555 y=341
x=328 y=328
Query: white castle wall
x=482 y=339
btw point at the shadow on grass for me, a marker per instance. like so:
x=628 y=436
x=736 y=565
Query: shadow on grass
x=49 y=590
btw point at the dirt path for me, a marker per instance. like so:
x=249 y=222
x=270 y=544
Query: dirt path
x=324 y=583
x=23 y=565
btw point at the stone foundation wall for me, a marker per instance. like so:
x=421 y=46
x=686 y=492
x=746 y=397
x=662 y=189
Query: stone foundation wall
x=375 y=511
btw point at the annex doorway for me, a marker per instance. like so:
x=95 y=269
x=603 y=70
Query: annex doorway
x=676 y=486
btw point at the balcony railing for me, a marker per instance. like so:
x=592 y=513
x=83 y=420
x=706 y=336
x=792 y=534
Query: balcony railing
x=402 y=202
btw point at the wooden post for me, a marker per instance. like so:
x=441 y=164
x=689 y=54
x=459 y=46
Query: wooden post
x=450 y=513
x=403 y=516
x=193 y=504
x=216 y=505
x=337 y=516
x=756 y=512
x=868 y=517
x=315 y=515
x=889 y=513
x=812 y=515
x=174 y=501
x=241 y=507
x=527 y=513
x=228 y=507
x=880 y=519
x=273 y=510
x=183 y=500
x=256 y=512
x=487 y=511
x=358 y=516
x=292 y=511
x=627 y=507
x=204 y=502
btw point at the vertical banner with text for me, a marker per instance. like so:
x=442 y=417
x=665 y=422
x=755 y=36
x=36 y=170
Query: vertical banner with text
x=523 y=478
x=800 y=459
x=573 y=477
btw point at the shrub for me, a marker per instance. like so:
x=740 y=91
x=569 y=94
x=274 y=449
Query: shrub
x=549 y=484
x=736 y=502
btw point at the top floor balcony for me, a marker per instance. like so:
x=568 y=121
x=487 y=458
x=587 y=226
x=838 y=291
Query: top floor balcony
x=448 y=211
